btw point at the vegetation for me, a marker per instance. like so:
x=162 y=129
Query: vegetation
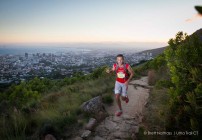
x=27 y=107
x=184 y=59
x=175 y=101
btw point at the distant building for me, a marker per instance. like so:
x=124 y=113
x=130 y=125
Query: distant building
x=26 y=55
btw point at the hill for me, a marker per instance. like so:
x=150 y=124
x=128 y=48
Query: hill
x=199 y=34
x=154 y=52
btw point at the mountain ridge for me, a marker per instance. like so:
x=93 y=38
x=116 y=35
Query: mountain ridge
x=160 y=50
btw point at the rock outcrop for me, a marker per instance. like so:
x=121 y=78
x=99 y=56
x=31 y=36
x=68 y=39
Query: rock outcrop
x=93 y=106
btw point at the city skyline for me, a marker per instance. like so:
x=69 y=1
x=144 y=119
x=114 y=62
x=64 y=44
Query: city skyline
x=35 y=21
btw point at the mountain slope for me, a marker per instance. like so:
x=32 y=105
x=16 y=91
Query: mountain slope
x=154 y=52
x=199 y=33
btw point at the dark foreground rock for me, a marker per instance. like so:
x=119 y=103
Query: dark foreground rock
x=93 y=106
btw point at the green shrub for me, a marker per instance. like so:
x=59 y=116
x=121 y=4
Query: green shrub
x=184 y=59
x=163 y=84
x=107 y=98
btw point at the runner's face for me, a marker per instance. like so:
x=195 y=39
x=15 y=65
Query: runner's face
x=119 y=60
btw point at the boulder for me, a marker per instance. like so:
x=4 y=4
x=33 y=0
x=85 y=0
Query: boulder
x=86 y=134
x=93 y=106
x=91 y=124
x=49 y=137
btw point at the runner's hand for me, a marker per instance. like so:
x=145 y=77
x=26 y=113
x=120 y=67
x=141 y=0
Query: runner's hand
x=108 y=70
x=126 y=83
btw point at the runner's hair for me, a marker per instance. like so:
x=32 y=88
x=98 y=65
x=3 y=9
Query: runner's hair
x=120 y=55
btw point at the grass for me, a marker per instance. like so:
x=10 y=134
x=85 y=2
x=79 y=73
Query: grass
x=14 y=128
x=156 y=113
x=61 y=109
x=158 y=109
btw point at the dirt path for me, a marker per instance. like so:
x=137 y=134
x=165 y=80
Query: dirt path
x=127 y=125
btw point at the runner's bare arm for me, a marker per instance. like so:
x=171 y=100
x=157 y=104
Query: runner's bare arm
x=113 y=69
x=130 y=70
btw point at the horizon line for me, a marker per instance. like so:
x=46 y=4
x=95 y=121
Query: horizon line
x=98 y=42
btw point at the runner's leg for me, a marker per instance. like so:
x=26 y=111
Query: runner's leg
x=124 y=95
x=118 y=101
x=117 y=91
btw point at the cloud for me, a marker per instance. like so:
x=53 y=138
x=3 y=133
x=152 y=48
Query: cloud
x=195 y=17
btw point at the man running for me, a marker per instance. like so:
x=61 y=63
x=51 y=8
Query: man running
x=124 y=74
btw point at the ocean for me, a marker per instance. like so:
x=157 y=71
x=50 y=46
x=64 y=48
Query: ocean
x=33 y=50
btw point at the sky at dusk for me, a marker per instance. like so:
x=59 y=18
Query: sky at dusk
x=59 y=21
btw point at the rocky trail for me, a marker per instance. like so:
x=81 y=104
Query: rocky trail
x=127 y=125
